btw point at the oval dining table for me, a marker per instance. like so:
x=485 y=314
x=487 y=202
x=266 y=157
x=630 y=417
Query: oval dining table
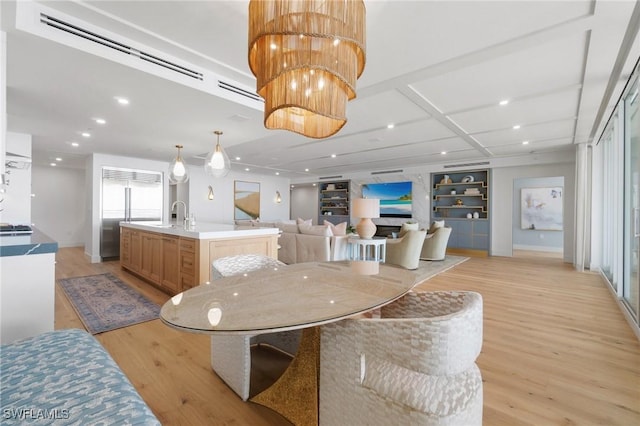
x=299 y=296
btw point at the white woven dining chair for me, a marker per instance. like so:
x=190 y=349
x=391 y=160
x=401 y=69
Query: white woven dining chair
x=231 y=354
x=415 y=365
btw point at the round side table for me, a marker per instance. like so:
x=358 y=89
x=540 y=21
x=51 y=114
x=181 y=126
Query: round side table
x=367 y=248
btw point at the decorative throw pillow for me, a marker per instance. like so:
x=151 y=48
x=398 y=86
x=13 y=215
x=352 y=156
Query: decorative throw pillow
x=435 y=225
x=339 y=229
x=408 y=226
x=323 y=231
x=287 y=227
x=307 y=222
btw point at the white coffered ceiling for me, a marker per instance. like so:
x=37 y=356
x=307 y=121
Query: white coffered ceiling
x=435 y=69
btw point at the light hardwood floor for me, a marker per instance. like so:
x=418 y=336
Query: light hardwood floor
x=556 y=351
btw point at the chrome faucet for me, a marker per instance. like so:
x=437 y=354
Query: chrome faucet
x=185 y=219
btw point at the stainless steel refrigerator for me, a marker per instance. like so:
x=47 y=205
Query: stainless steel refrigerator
x=127 y=195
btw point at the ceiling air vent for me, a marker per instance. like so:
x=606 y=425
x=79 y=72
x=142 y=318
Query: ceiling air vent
x=115 y=45
x=479 y=163
x=330 y=177
x=237 y=90
x=385 y=172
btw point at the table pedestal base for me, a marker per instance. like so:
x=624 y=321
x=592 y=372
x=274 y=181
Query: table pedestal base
x=295 y=393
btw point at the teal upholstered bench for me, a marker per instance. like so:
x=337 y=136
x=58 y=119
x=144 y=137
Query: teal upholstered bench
x=66 y=377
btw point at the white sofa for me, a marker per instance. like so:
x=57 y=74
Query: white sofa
x=305 y=243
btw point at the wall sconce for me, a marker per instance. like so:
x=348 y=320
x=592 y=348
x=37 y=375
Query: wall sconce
x=278 y=197
x=210 y=196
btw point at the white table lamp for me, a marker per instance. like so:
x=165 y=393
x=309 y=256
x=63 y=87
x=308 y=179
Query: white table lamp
x=366 y=209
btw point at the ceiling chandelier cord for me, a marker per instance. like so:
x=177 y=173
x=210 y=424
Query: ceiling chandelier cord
x=306 y=56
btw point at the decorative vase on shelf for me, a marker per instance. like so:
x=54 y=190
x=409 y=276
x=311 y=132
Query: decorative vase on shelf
x=476 y=215
x=446 y=179
x=469 y=216
x=453 y=192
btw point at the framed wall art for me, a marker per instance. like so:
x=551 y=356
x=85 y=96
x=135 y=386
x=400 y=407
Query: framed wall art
x=246 y=200
x=541 y=208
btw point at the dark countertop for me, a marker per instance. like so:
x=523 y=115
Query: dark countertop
x=25 y=244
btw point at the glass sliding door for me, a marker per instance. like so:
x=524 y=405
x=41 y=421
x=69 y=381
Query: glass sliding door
x=631 y=283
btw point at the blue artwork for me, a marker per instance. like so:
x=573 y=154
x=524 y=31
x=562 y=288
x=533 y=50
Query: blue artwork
x=395 y=197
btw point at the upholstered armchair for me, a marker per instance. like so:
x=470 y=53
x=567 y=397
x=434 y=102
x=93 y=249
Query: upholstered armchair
x=405 y=251
x=231 y=354
x=435 y=244
x=415 y=365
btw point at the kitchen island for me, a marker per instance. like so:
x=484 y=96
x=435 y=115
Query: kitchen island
x=176 y=258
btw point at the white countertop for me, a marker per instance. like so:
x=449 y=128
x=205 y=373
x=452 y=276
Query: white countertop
x=202 y=230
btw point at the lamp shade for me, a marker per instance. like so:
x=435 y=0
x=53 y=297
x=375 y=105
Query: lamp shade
x=366 y=207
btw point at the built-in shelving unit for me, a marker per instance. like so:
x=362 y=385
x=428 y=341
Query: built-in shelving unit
x=461 y=199
x=333 y=205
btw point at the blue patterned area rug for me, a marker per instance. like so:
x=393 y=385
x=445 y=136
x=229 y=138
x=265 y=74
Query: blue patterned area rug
x=103 y=302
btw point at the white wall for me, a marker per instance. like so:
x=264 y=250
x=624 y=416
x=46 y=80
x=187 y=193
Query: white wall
x=220 y=209
x=16 y=204
x=58 y=207
x=304 y=203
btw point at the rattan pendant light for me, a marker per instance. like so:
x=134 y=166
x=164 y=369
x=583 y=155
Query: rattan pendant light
x=306 y=56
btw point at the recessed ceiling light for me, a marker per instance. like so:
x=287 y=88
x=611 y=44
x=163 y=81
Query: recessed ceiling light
x=391 y=126
x=237 y=158
x=277 y=173
x=246 y=170
x=443 y=152
x=314 y=184
x=333 y=156
x=75 y=144
x=33 y=195
x=306 y=170
x=58 y=159
x=122 y=101
x=100 y=121
x=52 y=164
x=504 y=102
x=525 y=142
x=516 y=127
x=86 y=134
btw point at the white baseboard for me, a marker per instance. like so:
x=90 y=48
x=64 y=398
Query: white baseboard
x=67 y=245
x=537 y=248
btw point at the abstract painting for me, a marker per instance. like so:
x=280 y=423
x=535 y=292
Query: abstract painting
x=541 y=208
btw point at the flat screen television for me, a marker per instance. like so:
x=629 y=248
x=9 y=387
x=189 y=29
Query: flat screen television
x=395 y=197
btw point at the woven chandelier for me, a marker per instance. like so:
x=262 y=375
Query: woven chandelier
x=306 y=56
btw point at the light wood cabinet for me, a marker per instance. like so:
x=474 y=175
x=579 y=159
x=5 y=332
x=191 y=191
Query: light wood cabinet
x=171 y=264
x=176 y=264
x=125 y=246
x=152 y=256
x=187 y=263
x=136 y=251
